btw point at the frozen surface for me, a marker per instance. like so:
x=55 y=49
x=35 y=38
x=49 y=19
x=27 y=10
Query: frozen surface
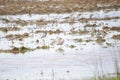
x=70 y=60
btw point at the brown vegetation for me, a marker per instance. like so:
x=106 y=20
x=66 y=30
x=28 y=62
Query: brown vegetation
x=6 y=29
x=17 y=36
x=100 y=40
x=116 y=29
x=41 y=7
x=16 y=50
x=57 y=31
x=117 y=37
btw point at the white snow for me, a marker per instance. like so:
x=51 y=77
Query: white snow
x=50 y=64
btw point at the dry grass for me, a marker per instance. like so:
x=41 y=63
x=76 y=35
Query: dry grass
x=117 y=37
x=81 y=32
x=78 y=40
x=72 y=46
x=100 y=40
x=115 y=29
x=16 y=50
x=43 y=47
x=91 y=25
x=41 y=7
x=6 y=29
x=96 y=19
x=106 y=28
x=17 y=36
x=57 y=31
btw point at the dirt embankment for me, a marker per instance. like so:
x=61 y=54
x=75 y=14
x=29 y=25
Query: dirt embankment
x=42 y=7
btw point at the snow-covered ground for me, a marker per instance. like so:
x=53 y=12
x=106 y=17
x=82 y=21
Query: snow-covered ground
x=73 y=54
